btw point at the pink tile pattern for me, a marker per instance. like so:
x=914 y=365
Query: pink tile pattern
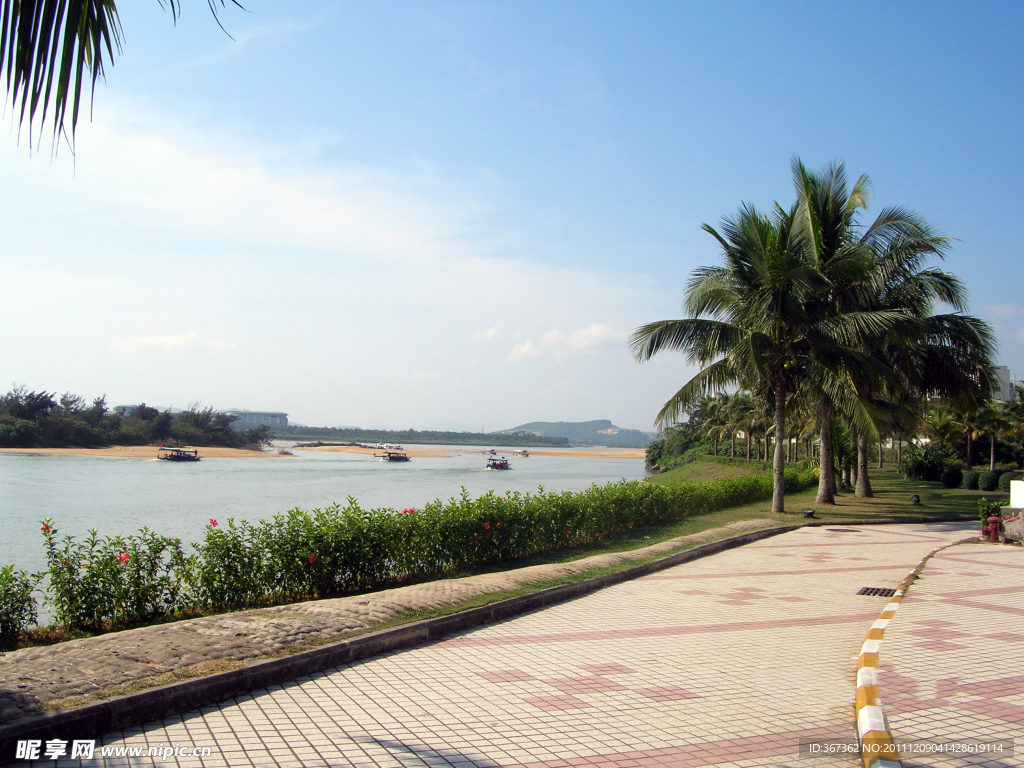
x=735 y=672
x=961 y=683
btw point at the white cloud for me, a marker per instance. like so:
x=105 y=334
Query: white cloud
x=524 y=350
x=595 y=336
x=1005 y=310
x=555 y=342
x=177 y=343
x=491 y=333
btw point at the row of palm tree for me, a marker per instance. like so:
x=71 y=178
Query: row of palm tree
x=813 y=311
x=992 y=421
x=728 y=417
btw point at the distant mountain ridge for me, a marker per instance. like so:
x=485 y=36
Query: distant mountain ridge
x=599 y=432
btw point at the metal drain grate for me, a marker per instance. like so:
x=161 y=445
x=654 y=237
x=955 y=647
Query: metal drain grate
x=877 y=591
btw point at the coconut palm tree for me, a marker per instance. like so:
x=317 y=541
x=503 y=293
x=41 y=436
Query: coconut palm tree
x=49 y=47
x=760 y=325
x=946 y=354
x=941 y=425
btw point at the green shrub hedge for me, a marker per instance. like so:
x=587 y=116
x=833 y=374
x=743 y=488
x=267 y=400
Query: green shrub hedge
x=970 y=481
x=952 y=478
x=1005 y=479
x=102 y=583
x=18 y=608
x=987 y=481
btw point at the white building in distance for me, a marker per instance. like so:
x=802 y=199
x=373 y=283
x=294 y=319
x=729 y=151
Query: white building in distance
x=251 y=419
x=1002 y=391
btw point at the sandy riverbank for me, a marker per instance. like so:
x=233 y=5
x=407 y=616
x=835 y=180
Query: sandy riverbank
x=435 y=453
x=143 y=452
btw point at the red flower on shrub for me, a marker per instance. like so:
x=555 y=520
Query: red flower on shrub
x=409 y=511
x=487 y=526
x=124 y=557
x=312 y=558
x=566 y=530
x=476 y=539
x=46 y=528
x=213 y=523
x=499 y=523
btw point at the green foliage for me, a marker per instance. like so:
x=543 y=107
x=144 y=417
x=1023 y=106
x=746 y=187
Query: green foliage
x=987 y=481
x=114 y=581
x=986 y=509
x=1005 y=479
x=28 y=419
x=970 y=481
x=927 y=464
x=18 y=611
x=952 y=477
x=117 y=581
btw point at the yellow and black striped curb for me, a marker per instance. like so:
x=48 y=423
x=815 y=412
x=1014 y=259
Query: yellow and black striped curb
x=873 y=733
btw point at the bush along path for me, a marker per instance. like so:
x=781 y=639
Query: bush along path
x=78 y=672
x=99 y=584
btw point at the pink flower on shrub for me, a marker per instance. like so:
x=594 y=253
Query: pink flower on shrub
x=124 y=557
x=312 y=558
x=487 y=526
x=213 y=523
x=46 y=528
x=409 y=511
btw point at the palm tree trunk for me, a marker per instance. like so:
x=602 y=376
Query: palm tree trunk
x=970 y=459
x=899 y=450
x=879 y=454
x=992 y=454
x=733 y=455
x=863 y=483
x=826 y=468
x=778 y=503
x=748 y=445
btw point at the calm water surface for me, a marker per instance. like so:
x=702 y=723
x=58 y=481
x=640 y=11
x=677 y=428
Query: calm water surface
x=118 y=496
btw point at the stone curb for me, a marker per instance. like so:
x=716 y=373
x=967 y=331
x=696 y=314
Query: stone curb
x=94 y=720
x=873 y=732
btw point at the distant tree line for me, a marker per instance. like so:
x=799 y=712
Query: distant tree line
x=345 y=434
x=40 y=419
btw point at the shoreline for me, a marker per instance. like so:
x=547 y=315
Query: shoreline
x=142 y=452
x=216 y=452
x=438 y=453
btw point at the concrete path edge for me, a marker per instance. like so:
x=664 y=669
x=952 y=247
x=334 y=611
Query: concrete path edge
x=121 y=712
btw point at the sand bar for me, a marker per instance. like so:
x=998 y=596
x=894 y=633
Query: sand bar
x=433 y=452
x=143 y=452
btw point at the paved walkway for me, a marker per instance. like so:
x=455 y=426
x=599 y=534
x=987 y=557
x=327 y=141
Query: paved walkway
x=728 y=661
x=66 y=675
x=953 y=657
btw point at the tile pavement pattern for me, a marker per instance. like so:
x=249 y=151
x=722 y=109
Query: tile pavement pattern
x=953 y=660
x=31 y=677
x=731 y=660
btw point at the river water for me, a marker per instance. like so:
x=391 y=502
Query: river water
x=119 y=496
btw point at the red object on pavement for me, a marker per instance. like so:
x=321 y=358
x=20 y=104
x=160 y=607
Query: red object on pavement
x=992 y=530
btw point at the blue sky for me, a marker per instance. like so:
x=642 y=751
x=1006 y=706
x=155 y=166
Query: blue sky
x=453 y=214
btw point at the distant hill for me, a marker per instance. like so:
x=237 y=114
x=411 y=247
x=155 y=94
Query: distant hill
x=600 y=432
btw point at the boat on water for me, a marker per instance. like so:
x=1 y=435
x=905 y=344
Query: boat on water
x=498 y=462
x=392 y=456
x=524 y=453
x=178 y=454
